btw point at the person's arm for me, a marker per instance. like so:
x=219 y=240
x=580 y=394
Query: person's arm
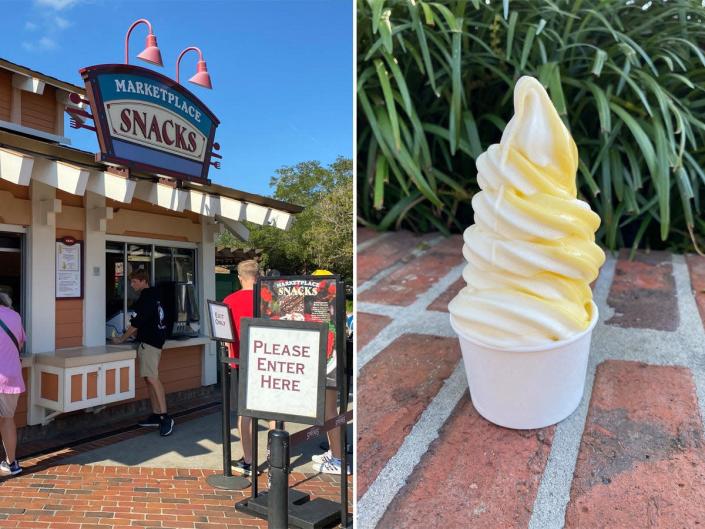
x=131 y=331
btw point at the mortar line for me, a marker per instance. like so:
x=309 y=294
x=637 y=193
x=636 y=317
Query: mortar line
x=425 y=246
x=683 y=347
x=693 y=333
x=361 y=247
x=379 y=309
x=375 y=502
x=553 y=494
x=407 y=319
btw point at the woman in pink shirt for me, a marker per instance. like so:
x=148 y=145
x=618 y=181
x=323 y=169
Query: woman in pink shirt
x=12 y=337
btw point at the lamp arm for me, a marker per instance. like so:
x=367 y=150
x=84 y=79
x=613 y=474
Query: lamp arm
x=178 y=61
x=127 y=36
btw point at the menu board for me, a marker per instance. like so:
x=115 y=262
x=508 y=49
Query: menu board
x=305 y=298
x=69 y=280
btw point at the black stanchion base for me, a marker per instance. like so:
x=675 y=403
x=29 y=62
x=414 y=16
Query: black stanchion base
x=304 y=512
x=219 y=481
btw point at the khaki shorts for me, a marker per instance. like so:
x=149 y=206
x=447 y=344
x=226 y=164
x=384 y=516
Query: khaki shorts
x=8 y=404
x=148 y=358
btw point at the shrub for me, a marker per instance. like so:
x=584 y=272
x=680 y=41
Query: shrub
x=435 y=84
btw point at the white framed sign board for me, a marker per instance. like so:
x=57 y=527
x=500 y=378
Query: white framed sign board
x=69 y=278
x=282 y=370
x=221 y=320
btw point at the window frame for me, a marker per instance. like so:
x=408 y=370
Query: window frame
x=25 y=269
x=152 y=243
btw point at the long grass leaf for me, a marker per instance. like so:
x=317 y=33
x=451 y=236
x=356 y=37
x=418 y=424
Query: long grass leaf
x=456 y=94
x=377 y=6
x=528 y=43
x=381 y=178
x=423 y=44
x=392 y=215
x=642 y=139
x=603 y=107
x=472 y=134
x=598 y=63
x=401 y=83
x=450 y=18
x=385 y=31
x=383 y=77
x=510 y=32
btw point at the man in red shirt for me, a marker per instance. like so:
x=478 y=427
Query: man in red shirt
x=241 y=304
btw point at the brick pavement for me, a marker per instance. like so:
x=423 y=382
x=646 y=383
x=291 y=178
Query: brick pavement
x=49 y=494
x=630 y=456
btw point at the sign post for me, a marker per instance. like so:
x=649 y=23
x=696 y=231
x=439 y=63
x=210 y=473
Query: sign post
x=282 y=365
x=314 y=298
x=222 y=330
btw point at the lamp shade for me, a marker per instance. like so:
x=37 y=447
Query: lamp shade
x=151 y=53
x=202 y=77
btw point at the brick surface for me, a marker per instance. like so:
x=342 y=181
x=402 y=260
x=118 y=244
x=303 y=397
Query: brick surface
x=51 y=494
x=365 y=234
x=111 y=504
x=642 y=459
x=369 y=326
x=696 y=267
x=404 y=285
x=643 y=292
x=394 y=388
x=389 y=251
x=441 y=302
x=475 y=475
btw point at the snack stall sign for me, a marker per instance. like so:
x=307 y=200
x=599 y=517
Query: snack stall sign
x=149 y=122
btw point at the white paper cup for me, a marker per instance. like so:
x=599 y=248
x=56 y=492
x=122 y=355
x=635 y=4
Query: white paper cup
x=530 y=387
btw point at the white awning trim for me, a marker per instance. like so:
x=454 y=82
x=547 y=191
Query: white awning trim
x=231 y=208
x=61 y=175
x=247 y=211
x=202 y=203
x=20 y=169
x=161 y=195
x=27 y=83
x=15 y=167
x=280 y=219
x=111 y=186
x=238 y=229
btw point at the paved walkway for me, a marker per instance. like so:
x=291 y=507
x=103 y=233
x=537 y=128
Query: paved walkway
x=632 y=454
x=138 y=479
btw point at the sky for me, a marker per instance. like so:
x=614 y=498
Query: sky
x=281 y=69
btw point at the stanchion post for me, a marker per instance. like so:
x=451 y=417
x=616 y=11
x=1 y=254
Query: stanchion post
x=225 y=393
x=253 y=457
x=227 y=481
x=278 y=514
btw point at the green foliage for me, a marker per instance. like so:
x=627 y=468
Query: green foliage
x=321 y=236
x=435 y=84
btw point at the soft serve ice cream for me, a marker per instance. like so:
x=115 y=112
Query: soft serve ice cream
x=531 y=252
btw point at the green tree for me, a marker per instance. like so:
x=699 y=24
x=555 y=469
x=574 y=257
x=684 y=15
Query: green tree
x=321 y=236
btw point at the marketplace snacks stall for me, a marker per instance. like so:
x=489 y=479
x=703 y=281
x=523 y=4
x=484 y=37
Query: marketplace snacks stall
x=75 y=224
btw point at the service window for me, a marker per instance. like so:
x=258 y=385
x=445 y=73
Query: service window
x=171 y=270
x=11 y=280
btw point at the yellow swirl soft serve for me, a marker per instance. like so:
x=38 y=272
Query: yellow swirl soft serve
x=531 y=252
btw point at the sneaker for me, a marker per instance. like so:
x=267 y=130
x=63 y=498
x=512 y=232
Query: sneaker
x=10 y=469
x=241 y=467
x=166 y=425
x=150 y=422
x=332 y=466
x=322 y=458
